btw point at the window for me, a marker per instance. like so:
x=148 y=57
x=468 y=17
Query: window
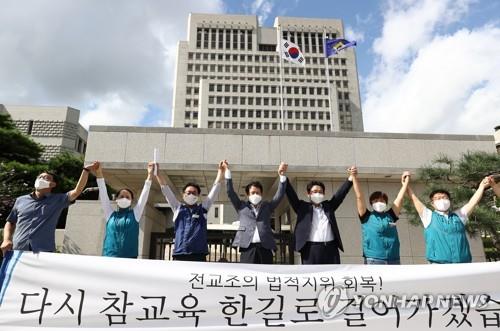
x=205 y=38
x=198 y=38
x=228 y=41
x=235 y=40
x=221 y=41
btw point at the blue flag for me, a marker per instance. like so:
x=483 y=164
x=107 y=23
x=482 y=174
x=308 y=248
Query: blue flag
x=333 y=46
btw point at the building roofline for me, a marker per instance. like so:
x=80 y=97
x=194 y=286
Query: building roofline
x=247 y=132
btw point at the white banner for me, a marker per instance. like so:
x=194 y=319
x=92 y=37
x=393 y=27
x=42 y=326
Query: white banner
x=69 y=292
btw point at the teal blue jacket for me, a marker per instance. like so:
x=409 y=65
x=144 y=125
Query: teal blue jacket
x=446 y=241
x=122 y=234
x=380 y=236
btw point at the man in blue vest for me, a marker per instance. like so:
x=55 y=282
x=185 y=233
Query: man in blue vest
x=190 y=218
x=445 y=235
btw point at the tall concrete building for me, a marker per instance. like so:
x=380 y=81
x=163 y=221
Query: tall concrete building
x=228 y=76
x=57 y=129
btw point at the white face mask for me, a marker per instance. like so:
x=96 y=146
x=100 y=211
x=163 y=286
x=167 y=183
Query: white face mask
x=442 y=204
x=317 y=198
x=190 y=199
x=255 y=199
x=379 y=206
x=41 y=184
x=123 y=203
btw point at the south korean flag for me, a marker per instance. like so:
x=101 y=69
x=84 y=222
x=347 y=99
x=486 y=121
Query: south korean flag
x=291 y=52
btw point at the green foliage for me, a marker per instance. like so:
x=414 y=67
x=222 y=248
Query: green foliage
x=461 y=178
x=15 y=146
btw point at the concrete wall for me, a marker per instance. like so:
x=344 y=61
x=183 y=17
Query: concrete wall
x=381 y=158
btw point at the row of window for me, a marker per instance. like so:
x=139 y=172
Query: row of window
x=215 y=38
x=249 y=113
x=259 y=58
x=301 y=79
x=267 y=126
x=197 y=68
x=234 y=39
x=308 y=41
x=258 y=101
x=259 y=113
x=242 y=88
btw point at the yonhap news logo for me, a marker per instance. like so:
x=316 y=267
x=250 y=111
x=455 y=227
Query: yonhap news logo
x=333 y=301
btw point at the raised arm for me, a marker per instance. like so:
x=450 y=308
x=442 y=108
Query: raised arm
x=419 y=206
x=84 y=176
x=398 y=202
x=280 y=192
x=233 y=196
x=214 y=192
x=474 y=200
x=167 y=192
x=103 y=193
x=292 y=196
x=360 y=199
x=341 y=193
x=143 y=198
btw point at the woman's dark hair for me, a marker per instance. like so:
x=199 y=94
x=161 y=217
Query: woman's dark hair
x=377 y=195
x=125 y=189
x=256 y=184
x=196 y=186
x=439 y=191
x=315 y=183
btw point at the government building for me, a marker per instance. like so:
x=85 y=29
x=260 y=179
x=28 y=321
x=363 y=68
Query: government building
x=228 y=76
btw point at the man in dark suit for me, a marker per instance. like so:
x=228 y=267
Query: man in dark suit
x=254 y=236
x=316 y=233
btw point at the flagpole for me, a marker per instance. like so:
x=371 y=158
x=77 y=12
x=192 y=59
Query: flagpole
x=328 y=82
x=281 y=78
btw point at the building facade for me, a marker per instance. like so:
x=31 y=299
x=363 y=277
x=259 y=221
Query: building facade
x=57 y=129
x=228 y=76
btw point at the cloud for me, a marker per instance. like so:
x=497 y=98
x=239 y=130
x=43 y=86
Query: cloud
x=97 y=56
x=427 y=79
x=262 y=8
x=351 y=34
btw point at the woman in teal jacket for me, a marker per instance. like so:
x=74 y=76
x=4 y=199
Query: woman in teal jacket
x=122 y=224
x=380 y=236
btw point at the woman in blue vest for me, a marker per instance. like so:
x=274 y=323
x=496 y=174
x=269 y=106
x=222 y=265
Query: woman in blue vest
x=380 y=236
x=122 y=225
x=444 y=230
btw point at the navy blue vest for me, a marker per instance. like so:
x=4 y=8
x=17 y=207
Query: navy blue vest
x=191 y=231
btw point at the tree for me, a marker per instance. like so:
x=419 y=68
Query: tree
x=14 y=145
x=461 y=178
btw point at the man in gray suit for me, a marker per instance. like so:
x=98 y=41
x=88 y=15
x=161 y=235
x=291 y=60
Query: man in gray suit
x=254 y=236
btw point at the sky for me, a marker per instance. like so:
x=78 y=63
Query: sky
x=424 y=66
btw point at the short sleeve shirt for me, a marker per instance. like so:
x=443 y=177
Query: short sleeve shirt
x=36 y=221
